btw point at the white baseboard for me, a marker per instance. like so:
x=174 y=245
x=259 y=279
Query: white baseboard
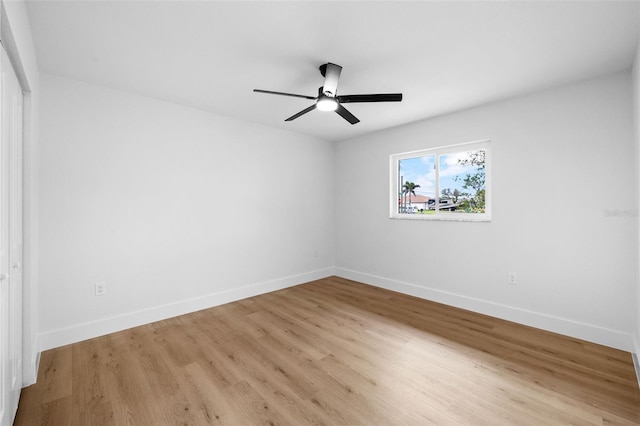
x=64 y=336
x=635 y=355
x=600 y=335
x=30 y=368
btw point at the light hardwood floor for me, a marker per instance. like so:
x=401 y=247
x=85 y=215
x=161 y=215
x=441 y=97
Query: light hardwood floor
x=332 y=351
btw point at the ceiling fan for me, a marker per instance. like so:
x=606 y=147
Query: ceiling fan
x=328 y=98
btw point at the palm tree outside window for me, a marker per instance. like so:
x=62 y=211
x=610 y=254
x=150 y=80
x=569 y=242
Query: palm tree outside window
x=409 y=188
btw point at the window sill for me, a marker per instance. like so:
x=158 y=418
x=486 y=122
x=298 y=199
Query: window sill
x=445 y=218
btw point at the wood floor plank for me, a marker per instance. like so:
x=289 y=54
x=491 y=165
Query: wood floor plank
x=212 y=403
x=332 y=352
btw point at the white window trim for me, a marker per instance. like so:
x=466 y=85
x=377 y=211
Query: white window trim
x=450 y=216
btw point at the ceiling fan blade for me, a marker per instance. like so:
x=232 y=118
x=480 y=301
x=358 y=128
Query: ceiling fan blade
x=304 y=111
x=331 y=73
x=271 y=92
x=379 y=97
x=347 y=115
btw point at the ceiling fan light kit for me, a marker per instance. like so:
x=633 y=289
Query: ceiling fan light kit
x=326 y=103
x=328 y=99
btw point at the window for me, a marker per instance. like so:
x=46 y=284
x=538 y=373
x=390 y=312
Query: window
x=446 y=183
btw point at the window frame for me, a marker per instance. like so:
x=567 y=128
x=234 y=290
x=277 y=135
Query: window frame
x=394 y=160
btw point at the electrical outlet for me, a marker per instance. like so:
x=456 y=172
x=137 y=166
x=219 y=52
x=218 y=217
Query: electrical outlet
x=512 y=278
x=101 y=289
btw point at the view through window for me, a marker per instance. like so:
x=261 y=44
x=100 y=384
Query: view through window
x=436 y=183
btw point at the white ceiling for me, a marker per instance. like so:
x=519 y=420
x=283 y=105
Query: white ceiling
x=443 y=56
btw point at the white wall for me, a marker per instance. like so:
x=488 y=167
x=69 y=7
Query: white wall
x=173 y=208
x=16 y=38
x=571 y=148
